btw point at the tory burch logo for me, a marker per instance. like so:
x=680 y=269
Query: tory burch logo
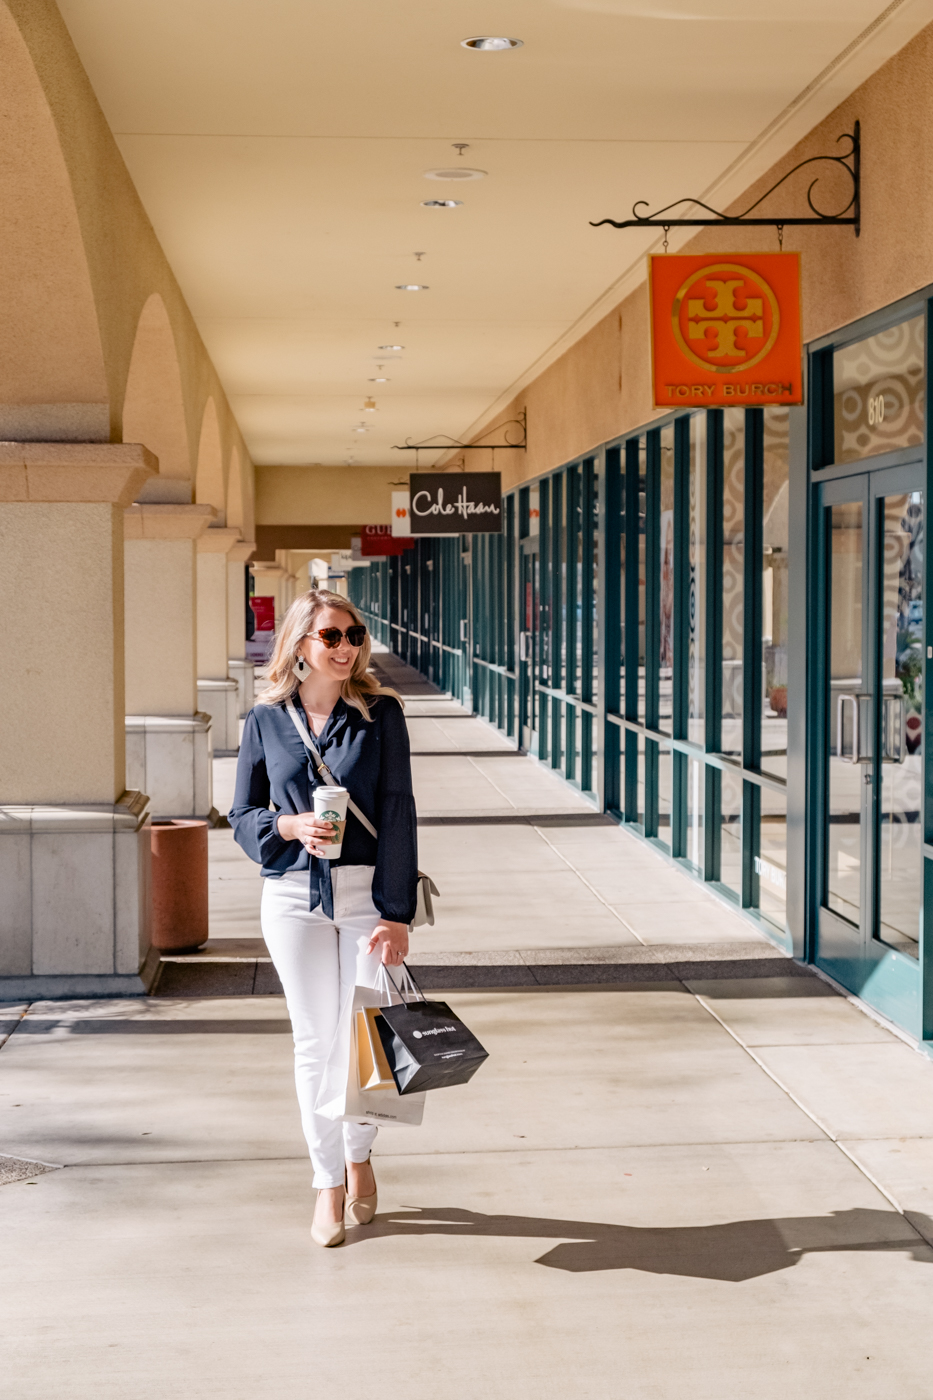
x=725 y=319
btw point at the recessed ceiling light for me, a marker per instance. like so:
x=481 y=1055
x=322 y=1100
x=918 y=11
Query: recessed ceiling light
x=441 y=203
x=390 y=347
x=491 y=43
x=411 y=287
x=381 y=379
x=455 y=172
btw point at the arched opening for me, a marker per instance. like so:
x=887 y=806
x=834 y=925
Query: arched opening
x=154 y=407
x=209 y=482
x=52 y=380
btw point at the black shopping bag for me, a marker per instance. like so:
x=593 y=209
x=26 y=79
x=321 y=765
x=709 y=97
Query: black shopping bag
x=428 y=1046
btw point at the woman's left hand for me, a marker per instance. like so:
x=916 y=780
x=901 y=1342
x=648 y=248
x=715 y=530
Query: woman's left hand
x=392 y=941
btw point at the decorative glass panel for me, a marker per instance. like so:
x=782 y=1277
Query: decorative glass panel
x=900 y=865
x=878 y=392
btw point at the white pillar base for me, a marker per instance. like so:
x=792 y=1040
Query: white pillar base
x=219 y=700
x=75 y=900
x=170 y=757
x=243 y=672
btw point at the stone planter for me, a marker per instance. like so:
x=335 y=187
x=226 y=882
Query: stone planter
x=179 y=885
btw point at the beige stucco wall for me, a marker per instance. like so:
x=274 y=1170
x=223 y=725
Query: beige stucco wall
x=325 y=495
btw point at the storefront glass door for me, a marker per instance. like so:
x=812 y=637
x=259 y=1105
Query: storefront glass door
x=530 y=582
x=871 y=902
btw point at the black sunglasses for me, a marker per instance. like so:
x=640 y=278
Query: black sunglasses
x=332 y=636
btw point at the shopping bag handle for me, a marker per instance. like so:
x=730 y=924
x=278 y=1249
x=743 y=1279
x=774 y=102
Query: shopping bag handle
x=408 y=978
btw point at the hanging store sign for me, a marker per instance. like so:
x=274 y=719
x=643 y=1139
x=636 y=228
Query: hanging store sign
x=455 y=503
x=400 y=509
x=378 y=542
x=725 y=330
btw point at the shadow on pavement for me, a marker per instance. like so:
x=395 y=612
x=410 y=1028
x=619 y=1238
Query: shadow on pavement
x=731 y=1252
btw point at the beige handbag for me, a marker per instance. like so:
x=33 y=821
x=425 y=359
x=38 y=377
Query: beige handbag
x=424 y=909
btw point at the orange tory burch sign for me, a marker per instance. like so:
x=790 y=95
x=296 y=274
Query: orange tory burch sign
x=725 y=329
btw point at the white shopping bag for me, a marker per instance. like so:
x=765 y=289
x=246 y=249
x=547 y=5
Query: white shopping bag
x=340 y=1096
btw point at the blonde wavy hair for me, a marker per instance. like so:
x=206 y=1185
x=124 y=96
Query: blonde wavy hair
x=359 y=688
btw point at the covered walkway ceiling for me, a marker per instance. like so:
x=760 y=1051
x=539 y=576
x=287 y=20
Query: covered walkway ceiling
x=280 y=148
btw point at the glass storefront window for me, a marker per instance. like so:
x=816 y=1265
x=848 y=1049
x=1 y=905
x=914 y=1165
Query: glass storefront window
x=640 y=798
x=696 y=671
x=878 y=392
x=642 y=572
x=665 y=795
x=733 y=578
x=594 y=597
x=666 y=574
x=577 y=597
x=846 y=685
x=774 y=593
x=901 y=836
x=561 y=491
x=771 y=863
x=624 y=642
x=695 y=853
x=730 y=831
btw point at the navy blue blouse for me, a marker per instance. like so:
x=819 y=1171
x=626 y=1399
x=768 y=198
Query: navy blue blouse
x=371 y=759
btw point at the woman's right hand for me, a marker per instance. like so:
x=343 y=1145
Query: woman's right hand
x=316 y=836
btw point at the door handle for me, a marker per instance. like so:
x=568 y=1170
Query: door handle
x=893 y=730
x=523 y=646
x=841 y=703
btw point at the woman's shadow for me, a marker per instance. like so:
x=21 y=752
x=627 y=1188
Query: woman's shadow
x=732 y=1252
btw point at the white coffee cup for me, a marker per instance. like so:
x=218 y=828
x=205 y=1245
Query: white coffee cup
x=330 y=805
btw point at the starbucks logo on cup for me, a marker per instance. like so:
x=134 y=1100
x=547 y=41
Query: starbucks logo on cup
x=417 y=1035
x=331 y=817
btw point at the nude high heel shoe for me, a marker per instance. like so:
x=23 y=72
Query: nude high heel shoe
x=361 y=1209
x=332 y=1232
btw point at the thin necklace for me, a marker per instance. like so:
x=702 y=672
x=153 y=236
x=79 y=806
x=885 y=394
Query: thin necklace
x=312 y=715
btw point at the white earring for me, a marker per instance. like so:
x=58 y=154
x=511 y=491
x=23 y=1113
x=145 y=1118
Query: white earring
x=300 y=668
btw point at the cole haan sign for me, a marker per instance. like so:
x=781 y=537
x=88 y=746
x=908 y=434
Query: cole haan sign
x=455 y=503
x=725 y=330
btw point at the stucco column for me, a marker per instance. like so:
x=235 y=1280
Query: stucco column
x=74 y=843
x=168 y=740
x=217 y=693
x=273 y=579
x=238 y=667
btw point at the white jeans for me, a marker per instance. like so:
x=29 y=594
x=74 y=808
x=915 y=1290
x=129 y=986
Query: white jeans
x=319 y=961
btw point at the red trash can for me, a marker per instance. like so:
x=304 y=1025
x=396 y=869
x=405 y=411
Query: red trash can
x=179 y=885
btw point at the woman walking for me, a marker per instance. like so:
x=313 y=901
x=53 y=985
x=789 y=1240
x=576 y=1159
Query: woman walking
x=328 y=924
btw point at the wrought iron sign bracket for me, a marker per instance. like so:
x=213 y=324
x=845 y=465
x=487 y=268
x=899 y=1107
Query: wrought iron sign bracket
x=450 y=444
x=849 y=215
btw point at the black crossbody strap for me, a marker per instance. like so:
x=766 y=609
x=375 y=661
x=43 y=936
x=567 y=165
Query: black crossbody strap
x=322 y=767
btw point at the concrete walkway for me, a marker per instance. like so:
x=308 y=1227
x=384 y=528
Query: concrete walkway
x=689 y=1168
